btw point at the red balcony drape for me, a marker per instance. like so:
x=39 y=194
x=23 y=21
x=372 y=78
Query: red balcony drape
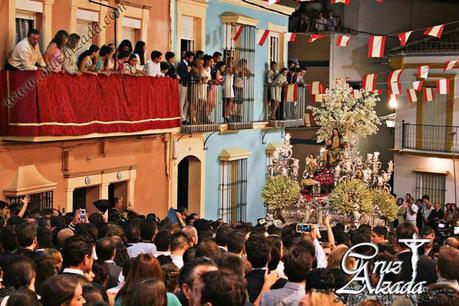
x=64 y=105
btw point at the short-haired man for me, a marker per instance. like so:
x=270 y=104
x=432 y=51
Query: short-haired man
x=297 y=263
x=178 y=247
x=26 y=54
x=170 y=59
x=153 y=65
x=221 y=237
x=428 y=248
x=27 y=239
x=162 y=240
x=78 y=256
x=217 y=58
x=191 y=234
x=379 y=235
x=448 y=267
x=106 y=252
x=184 y=72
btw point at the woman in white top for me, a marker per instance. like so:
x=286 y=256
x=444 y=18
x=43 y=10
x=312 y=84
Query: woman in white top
x=279 y=81
x=270 y=76
x=228 y=91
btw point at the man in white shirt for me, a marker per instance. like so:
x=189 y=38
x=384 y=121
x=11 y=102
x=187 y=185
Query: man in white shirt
x=178 y=246
x=153 y=66
x=26 y=54
x=411 y=212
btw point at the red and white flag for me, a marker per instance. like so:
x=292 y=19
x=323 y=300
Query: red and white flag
x=443 y=86
x=317 y=98
x=412 y=97
x=308 y=120
x=317 y=88
x=376 y=46
x=428 y=94
x=238 y=32
x=291 y=92
x=393 y=81
x=377 y=91
x=450 y=65
x=315 y=37
x=342 y=40
x=423 y=71
x=347 y=2
x=369 y=82
x=435 y=31
x=403 y=37
x=263 y=38
x=417 y=85
x=290 y=37
x=271 y=2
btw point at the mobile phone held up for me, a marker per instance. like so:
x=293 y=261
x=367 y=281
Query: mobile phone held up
x=83 y=215
x=303 y=228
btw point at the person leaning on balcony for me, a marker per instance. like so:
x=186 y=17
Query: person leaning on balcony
x=271 y=92
x=131 y=67
x=54 y=57
x=26 y=54
x=102 y=62
x=279 y=81
x=122 y=59
x=70 y=60
x=184 y=73
x=87 y=60
x=153 y=66
x=170 y=60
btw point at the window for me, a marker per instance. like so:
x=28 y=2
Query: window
x=24 y=22
x=431 y=184
x=233 y=190
x=37 y=200
x=274 y=47
x=187 y=34
x=241 y=55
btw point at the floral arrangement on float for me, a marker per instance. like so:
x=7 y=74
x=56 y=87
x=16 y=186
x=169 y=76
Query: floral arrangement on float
x=347 y=110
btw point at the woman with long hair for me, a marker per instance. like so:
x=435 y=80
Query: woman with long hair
x=103 y=61
x=144 y=267
x=70 y=60
x=151 y=292
x=54 y=57
x=62 y=290
x=19 y=272
x=125 y=46
x=87 y=60
x=139 y=51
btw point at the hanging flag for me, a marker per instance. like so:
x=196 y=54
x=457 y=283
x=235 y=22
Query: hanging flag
x=380 y=1
x=435 y=31
x=428 y=94
x=308 y=120
x=443 y=86
x=376 y=46
x=271 y=2
x=450 y=65
x=238 y=33
x=393 y=81
x=369 y=82
x=423 y=71
x=315 y=37
x=342 y=40
x=290 y=37
x=347 y=2
x=317 y=98
x=403 y=37
x=291 y=92
x=417 y=85
x=263 y=38
x=317 y=88
x=412 y=97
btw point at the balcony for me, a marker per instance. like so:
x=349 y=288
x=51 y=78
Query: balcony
x=291 y=110
x=37 y=107
x=441 y=139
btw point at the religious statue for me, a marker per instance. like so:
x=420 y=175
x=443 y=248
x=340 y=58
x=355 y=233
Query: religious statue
x=335 y=144
x=311 y=165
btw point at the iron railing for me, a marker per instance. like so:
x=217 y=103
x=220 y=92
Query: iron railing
x=429 y=137
x=290 y=111
x=205 y=107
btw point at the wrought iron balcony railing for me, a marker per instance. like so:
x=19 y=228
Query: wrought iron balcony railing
x=429 y=137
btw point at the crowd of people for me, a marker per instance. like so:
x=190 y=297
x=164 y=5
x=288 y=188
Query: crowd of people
x=117 y=257
x=314 y=22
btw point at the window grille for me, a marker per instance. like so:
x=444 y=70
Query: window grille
x=233 y=191
x=37 y=200
x=431 y=184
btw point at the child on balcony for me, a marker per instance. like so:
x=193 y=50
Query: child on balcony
x=131 y=66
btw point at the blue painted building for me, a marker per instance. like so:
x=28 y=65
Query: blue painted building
x=232 y=156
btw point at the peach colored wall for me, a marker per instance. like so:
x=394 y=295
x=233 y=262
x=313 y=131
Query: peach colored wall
x=148 y=155
x=159 y=27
